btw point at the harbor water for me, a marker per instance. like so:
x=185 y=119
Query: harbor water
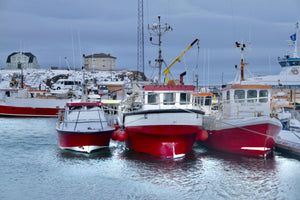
x=33 y=167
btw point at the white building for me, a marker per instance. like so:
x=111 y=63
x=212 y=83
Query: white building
x=25 y=60
x=100 y=62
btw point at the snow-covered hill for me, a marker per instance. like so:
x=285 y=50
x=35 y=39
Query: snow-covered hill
x=41 y=77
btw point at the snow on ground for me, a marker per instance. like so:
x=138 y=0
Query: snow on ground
x=37 y=77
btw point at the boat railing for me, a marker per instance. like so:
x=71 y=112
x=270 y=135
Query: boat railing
x=131 y=104
x=81 y=118
x=209 y=122
x=245 y=108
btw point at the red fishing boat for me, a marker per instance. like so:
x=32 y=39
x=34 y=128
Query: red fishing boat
x=166 y=124
x=30 y=103
x=243 y=124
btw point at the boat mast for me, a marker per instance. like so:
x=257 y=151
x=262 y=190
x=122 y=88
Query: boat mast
x=295 y=54
x=84 y=97
x=243 y=65
x=159 y=30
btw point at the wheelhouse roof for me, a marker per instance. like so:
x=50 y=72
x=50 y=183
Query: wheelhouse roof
x=203 y=94
x=84 y=104
x=169 y=88
x=247 y=87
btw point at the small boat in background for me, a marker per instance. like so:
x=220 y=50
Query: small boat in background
x=285 y=111
x=288 y=142
x=289 y=77
x=30 y=103
x=84 y=126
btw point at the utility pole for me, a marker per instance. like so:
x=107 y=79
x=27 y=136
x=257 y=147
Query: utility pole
x=159 y=30
x=140 y=37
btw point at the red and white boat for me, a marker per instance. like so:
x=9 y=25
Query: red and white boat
x=243 y=124
x=30 y=103
x=84 y=127
x=166 y=124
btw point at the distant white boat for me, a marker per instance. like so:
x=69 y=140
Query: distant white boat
x=289 y=77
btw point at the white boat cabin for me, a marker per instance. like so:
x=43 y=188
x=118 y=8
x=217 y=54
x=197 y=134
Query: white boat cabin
x=168 y=96
x=84 y=117
x=246 y=101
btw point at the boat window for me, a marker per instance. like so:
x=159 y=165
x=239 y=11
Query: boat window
x=228 y=95
x=208 y=100
x=263 y=96
x=75 y=108
x=286 y=109
x=184 y=98
x=239 y=96
x=201 y=101
x=251 y=96
x=152 y=98
x=283 y=63
x=197 y=101
x=169 y=98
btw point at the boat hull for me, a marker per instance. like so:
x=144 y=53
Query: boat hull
x=84 y=141
x=14 y=111
x=163 y=133
x=251 y=136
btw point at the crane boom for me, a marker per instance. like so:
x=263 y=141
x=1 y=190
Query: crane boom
x=166 y=71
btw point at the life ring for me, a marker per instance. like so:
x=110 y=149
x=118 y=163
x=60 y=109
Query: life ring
x=295 y=71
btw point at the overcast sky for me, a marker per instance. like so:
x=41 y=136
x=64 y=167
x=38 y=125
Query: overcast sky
x=53 y=30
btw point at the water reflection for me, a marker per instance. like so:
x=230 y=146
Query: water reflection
x=287 y=154
x=73 y=155
x=201 y=173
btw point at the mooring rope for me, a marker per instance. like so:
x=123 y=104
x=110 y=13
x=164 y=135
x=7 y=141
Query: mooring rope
x=295 y=134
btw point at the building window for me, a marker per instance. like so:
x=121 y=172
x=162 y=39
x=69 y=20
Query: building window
x=103 y=60
x=103 y=66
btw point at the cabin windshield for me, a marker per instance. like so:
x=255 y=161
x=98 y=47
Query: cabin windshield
x=202 y=101
x=228 y=95
x=208 y=100
x=152 y=98
x=185 y=98
x=289 y=63
x=251 y=96
x=263 y=96
x=169 y=98
x=287 y=109
x=239 y=96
